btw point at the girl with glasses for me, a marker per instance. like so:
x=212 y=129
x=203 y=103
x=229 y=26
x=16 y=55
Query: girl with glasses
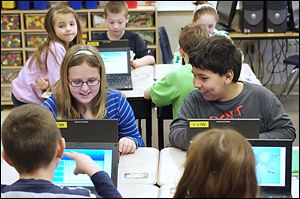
x=83 y=93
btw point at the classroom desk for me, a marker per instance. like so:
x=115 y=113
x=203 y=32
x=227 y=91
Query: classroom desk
x=160 y=70
x=255 y=36
x=139 y=168
x=137 y=173
x=139 y=191
x=147 y=167
x=142 y=78
x=171 y=163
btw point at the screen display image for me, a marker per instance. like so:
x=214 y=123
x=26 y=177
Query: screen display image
x=116 y=62
x=64 y=173
x=270 y=165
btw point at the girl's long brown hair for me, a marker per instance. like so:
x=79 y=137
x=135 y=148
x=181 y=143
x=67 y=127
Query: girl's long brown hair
x=66 y=104
x=220 y=164
x=40 y=60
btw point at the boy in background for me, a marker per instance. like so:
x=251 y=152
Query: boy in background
x=176 y=85
x=116 y=18
x=33 y=145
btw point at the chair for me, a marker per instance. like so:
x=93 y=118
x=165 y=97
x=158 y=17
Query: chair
x=294 y=61
x=163 y=113
x=165 y=47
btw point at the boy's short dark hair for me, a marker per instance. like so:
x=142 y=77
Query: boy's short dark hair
x=30 y=137
x=191 y=35
x=219 y=55
x=116 y=7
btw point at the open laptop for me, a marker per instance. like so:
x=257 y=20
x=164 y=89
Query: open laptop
x=273 y=166
x=117 y=65
x=86 y=130
x=248 y=127
x=106 y=156
x=116 y=57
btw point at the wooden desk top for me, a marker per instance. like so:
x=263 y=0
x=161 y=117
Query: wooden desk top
x=286 y=35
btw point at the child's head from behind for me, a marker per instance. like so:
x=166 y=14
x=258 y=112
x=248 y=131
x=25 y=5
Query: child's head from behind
x=83 y=81
x=220 y=163
x=190 y=36
x=63 y=25
x=30 y=137
x=116 y=15
x=206 y=14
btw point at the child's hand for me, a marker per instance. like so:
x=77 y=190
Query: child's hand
x=135 y=63
x=126 y=145
x=42 y=83
x=84 y=163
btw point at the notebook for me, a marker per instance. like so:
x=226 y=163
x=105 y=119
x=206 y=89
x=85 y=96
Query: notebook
x=106 y=155
x=85 y=130
x=248 y=127
x=117 y=65
x=273 y=166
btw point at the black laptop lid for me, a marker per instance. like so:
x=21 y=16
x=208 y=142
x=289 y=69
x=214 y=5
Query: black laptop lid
x=248 y=127
x=109 y=43
x=85 y=130
x=273 y=165
x=106 y=156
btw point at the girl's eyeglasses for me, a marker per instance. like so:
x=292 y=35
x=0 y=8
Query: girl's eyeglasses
x=78 y=83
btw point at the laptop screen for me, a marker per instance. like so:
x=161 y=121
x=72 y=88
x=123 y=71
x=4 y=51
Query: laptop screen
x=116 y=60
x=270 y=165
x=105 y=155
x=273 y=164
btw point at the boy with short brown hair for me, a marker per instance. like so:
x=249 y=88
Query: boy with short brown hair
x=116 y=17
x=32 y=143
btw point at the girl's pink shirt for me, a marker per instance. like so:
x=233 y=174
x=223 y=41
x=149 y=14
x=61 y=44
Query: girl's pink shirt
x=24 y=86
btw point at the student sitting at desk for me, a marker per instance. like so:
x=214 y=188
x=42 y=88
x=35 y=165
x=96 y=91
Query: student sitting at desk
x=220 y=164
x=116 y=18
x=82 y=93
x=33 y=145
x=216 y=65
x=176 y=85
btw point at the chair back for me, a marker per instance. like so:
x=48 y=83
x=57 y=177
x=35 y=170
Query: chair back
x=165 y=47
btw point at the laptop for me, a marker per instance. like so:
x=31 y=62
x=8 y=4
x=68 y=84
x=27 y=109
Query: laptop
x=106 y=156
x=248 y=127
x=117 y=66
x=273 y=166
x=116 y=57
x=86 y=130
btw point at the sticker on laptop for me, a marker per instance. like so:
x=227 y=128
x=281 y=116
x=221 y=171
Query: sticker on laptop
x=198 y=124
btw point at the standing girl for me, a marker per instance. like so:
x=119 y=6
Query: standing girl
x=41 y=71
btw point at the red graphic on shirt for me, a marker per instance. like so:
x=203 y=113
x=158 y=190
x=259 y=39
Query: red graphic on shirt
x=230 y=114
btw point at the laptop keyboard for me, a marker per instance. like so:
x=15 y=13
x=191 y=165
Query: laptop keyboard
x=120 y=82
